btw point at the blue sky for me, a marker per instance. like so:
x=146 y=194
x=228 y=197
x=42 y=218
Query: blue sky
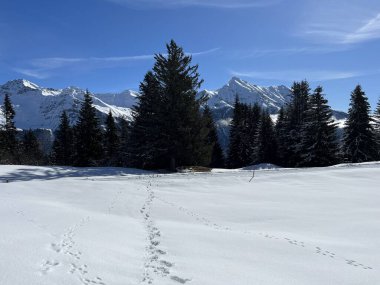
x=107 y=45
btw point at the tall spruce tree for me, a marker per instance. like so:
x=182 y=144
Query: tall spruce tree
x=146 y=148
x=377 y=128
x=173 y=133
x=31 y=153
x=8 y=141
x=124 y=133
x=111 y=142
x=319 y=146
x=236 y=157
x=295 y=114
x=281 y=130
x=253 y=119
x=63 y=145
x=88 y=136
x=182 y=119
x=359 y=144
x=242 y=134
x=265 y=150
x=217 y=157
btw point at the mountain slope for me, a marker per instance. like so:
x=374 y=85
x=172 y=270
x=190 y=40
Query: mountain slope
x=272 y=97
x=39 y=107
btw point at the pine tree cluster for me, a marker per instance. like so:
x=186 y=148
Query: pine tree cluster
x=305 y=134
x=171 y=127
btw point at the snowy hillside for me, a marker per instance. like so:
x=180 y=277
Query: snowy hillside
x=122 y=226
x=272 y=98
x=38 y=107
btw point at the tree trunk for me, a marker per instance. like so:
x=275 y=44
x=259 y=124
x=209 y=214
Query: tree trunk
x=172 y=164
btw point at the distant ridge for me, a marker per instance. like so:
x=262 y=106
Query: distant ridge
x=40 y=108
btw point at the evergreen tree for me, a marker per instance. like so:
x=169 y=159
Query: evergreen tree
x=111 y=141
x=124 y=132
x=8 y=141
x=254 y=114
x=170 y=133
x=265 y=150
x=295 y=114
x=281 y=130
x=319 y=145
x=217 y=156
x=63 y=145
x=31 y=151
x=377 y=128
x=88 y=136
x=242 y=134
x=359 y=144
x=236 y=156
x=146 y=149
x=182 y=119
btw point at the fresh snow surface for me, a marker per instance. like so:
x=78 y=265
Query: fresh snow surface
x=122 y=226
x=261 y=166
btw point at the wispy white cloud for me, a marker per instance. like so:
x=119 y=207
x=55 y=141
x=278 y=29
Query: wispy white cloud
x=370 y=30
x=46 y=67
x=59 y=62
x=257 y=53
x=224 y=4
x=35 y=73
x=203 y=52
x=340 y=22
x=291 y=75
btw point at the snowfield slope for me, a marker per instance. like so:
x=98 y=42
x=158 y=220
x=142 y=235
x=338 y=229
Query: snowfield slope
x=122 y=226
x=39 y=107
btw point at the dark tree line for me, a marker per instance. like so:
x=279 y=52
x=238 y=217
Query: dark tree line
x=172 y=127
x=17 y=148
x=86 y=143
x=305 y=134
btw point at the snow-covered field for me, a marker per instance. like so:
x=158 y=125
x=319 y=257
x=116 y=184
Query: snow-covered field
x=121 y=226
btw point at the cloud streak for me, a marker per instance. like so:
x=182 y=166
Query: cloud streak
x=42 y=68
x=341 y=22
x=258 y=53
x=223 y=4
x=370 y=30
x=291 y=75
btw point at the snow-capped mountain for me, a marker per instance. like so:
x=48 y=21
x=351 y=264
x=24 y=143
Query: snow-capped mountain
x=38 y=107
x=221 y=101
x=272 y=97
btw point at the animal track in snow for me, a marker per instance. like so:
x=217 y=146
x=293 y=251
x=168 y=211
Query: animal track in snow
x=114 y=201
x=48 y=266
x=82 y=272
x=179 y=280
x=357 y=264
x=295 y=242
x=318 y=250
x=155 y=263
x=290 y=241
x=66 y=246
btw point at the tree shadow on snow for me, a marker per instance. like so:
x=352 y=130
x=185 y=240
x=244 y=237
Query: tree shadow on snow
x=57 y=172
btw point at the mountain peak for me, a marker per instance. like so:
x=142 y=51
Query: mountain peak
x=237 y=80
x=20 y=84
